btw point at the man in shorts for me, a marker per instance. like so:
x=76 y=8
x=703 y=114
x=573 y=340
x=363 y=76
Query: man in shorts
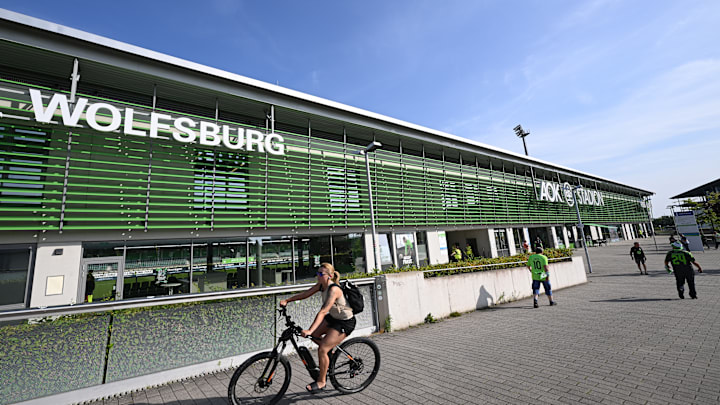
x=638 y=255
x=681 y=262
x=538 y=265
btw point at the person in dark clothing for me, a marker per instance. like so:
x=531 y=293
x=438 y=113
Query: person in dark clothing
x=681 y=262
x=638 y=255
x=89 y=286
x=538 y=243
x=685 y=242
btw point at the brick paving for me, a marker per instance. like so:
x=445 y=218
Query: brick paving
x=622 y=338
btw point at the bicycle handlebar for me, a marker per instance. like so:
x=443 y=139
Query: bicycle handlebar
x=291 y=324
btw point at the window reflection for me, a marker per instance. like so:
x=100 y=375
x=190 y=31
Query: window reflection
x=349 y=253
x=311 y=251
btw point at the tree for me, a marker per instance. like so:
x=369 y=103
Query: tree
x=663 y=222
x=708 y=210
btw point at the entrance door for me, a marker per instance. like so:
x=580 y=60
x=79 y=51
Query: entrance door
x=501 y=243
x=101 y=278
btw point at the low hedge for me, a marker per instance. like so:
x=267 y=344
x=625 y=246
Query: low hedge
x=469 y=266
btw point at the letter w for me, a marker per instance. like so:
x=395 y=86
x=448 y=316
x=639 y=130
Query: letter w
x=46 y=115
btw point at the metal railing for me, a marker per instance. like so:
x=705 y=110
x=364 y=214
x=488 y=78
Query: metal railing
x=42 y=312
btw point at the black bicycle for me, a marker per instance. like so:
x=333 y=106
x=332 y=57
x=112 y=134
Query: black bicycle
x=264 y=378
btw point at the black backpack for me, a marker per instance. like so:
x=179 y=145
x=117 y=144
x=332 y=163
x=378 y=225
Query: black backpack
x=353 y=296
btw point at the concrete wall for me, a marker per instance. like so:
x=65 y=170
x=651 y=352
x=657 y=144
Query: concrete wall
x=410 y=296
x=61 y=271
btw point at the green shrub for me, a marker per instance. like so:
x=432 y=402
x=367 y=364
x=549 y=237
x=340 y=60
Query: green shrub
x=430 y=319
x=472 y=265
x=455 y=314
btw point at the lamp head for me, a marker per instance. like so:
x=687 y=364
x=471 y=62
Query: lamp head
x=372 y=146
x=520 y=132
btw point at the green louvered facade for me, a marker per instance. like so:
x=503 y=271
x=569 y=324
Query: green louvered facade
x=60 y=178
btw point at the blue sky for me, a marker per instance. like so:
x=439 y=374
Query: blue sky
x=626 y=90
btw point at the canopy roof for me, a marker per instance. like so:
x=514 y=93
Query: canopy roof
x=701 y=191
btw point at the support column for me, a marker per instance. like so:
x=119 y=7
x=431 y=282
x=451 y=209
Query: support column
x=575 y=235
x=553 y=242
x=511 y=241
x=526 y=236
x=56 y=265
x=493 y=244
x=369 y=254
x=438 y=252
x=566 y=239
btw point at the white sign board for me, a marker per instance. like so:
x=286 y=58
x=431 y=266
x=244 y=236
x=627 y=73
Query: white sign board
x=686 y=224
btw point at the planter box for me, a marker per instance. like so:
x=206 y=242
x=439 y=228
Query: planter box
x=411 y=296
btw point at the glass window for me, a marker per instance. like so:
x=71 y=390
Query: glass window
x=422 y=249
x=14 y=266
x=349 y=253
x=158 y=269
x=501 y=243
x=386 y=256
x=276 y=261
x=311 y=251
x=220 y=266
x=518 y=235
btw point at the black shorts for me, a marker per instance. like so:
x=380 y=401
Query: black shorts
x=639 y=260
x=346 y=326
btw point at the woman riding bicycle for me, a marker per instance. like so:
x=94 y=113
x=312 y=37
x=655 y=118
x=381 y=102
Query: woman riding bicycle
x=333 y=323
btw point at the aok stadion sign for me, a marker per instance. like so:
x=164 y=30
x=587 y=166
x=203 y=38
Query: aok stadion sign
x=556 y=192
x=183 y=129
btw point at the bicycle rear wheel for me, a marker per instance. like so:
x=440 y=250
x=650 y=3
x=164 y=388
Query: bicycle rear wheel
x=353 y=373
x=253 y=384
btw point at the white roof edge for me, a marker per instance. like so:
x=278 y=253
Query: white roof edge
x=161 y=57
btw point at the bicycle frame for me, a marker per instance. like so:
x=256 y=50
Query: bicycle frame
x=289 y=334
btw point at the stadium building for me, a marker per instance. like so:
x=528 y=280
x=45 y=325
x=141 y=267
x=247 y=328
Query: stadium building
x=128 y=173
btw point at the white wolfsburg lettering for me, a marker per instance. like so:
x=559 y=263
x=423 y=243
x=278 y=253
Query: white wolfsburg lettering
x=182 y=128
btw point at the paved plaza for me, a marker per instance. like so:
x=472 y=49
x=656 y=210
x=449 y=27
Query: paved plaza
x=621 y=338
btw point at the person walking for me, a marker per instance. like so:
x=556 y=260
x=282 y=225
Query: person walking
x=538 y=265
x=456 y=255
x=469 y=255
x=685 y=242
x=681 y=265
x=638 y=255
x=538 y=243
x=526 y=247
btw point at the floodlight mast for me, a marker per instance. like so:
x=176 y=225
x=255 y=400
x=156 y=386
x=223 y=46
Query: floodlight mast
x=521 y=133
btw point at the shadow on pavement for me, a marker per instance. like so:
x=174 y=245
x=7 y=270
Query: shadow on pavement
x=633 y=299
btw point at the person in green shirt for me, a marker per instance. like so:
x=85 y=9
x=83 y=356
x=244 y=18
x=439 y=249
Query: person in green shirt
x=538 y=265
x=681 y=262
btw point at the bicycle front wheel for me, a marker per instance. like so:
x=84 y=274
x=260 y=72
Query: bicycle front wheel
x=355 y=368
x=261 y=379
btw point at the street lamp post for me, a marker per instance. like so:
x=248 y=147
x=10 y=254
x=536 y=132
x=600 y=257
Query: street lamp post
x=648 y=209
x=371 y=147
x=580 y=225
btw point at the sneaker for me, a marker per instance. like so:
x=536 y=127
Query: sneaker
x=694 y=297
x=535 y=304
x=681 y=294
x=553 y=303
